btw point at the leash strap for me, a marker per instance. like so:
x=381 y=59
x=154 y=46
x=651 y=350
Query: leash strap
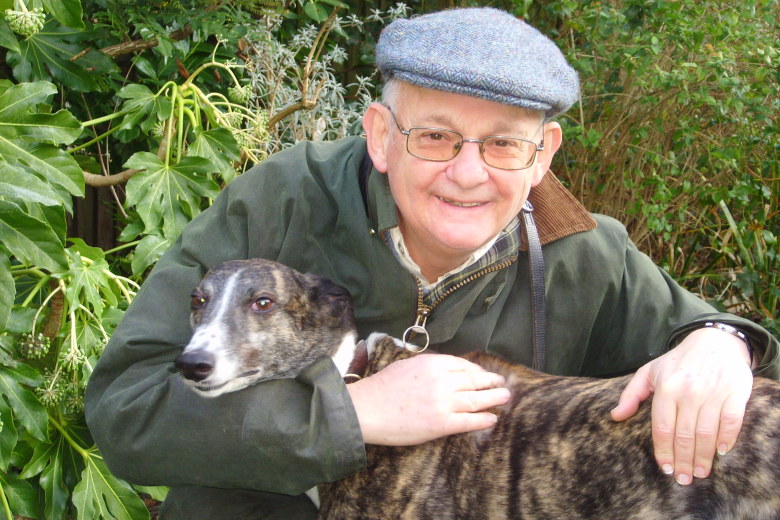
x=536 y=269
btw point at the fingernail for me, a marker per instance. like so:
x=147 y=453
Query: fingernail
x=698 y=472
x=667 y=469
x=723 y=449
x=683 y=479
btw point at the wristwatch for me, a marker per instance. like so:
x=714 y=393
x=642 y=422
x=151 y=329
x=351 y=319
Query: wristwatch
x=725 y=327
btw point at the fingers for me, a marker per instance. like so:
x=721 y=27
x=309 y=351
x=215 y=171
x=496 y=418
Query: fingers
x=688 y=432
x=426 y=397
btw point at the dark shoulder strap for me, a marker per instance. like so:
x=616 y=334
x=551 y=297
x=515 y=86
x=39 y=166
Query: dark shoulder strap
x=536 y=266
x=363 y=174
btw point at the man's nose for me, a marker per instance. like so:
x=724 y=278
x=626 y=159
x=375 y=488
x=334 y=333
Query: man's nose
x=467 y=169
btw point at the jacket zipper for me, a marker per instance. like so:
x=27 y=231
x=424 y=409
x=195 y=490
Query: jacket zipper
x=424 y=311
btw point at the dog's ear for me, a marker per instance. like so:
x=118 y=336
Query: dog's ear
x=332 y=298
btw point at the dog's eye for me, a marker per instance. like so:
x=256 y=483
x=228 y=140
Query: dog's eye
x=198 y=301
x=262 y=304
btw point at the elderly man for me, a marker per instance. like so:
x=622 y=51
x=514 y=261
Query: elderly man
x=426 y=222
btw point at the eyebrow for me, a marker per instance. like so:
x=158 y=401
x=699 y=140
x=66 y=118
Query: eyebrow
x=444 y=122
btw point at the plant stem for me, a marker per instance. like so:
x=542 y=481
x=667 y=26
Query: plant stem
x=95 y=140
x=119 y=248
x=75 y=445
x=6 y=506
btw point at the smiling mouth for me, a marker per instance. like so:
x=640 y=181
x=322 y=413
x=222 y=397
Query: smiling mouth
x=460 y=204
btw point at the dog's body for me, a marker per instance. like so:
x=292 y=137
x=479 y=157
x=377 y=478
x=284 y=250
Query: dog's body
x=555 y=453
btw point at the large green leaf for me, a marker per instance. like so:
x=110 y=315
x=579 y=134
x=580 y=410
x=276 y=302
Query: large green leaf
x=148 y=251
x=29 y=239
x=7 y=37
x=7 y=289
x=67 y=12
x=28 y=411
x=48 y=162
x=47 y=460
x=146 y=108
x=161 y=193
x=220 y=147
x=89 y=284
x=21 y=496
x=19 y=99
x=47 y=55
x=8 y=436
x=101 y=495
x=20 y=186
x=57 y=128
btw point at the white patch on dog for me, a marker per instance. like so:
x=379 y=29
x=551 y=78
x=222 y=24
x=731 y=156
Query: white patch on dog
x=346 y=353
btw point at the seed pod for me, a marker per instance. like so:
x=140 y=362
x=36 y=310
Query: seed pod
x=26 y=23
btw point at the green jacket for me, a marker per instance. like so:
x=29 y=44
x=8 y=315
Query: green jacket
x=610 y=310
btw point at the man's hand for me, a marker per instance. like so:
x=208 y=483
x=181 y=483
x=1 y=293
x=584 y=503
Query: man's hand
x=701 y=389
x=425 y=397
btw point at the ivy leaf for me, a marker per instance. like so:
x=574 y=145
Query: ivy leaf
x=101 y=495
x=162 y=192
x=28 y=411
x=29 y=239
x=67 y=12
x=21 y=496
x=220 y=147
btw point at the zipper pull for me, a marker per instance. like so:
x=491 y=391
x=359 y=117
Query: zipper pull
x=418 y=328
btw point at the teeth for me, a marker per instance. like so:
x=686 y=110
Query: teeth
x=461 y=204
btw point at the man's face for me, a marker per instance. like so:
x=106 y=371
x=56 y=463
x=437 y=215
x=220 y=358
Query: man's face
x=449 y=209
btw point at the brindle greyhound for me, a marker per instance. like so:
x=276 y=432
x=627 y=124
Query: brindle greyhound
x=555 y=453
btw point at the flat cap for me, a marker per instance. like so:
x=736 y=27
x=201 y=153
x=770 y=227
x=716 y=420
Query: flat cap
x=482 y=52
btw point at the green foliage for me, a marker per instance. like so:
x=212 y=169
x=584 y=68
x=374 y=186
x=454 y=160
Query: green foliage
x=679 y=112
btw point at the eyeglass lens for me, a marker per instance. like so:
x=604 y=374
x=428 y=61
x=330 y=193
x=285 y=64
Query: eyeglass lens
x=442 y=145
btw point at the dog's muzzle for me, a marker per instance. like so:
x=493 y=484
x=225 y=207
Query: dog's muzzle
x=196 y=365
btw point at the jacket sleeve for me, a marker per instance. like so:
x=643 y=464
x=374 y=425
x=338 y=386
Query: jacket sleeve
x=644 y=312
x=280 y=436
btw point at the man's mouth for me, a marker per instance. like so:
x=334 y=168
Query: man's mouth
x=460 y=204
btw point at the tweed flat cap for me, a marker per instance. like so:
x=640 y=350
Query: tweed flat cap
x=481 y=52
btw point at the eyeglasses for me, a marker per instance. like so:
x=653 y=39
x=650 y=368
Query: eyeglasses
x=441 y=145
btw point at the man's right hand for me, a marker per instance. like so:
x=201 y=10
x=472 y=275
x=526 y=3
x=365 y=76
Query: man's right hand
x=419 y=399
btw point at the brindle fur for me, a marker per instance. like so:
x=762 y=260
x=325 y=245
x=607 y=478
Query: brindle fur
x=554 y=454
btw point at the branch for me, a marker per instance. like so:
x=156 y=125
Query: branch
x=102 y=181
x=132 y=46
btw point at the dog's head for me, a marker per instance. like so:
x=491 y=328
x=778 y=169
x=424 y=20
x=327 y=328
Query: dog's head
x=255 y=320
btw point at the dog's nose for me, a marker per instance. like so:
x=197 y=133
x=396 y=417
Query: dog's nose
x=196 y=365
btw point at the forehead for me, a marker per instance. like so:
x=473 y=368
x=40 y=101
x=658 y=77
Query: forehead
x=418 y=106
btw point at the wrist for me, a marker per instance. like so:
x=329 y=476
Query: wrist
x=734 y=331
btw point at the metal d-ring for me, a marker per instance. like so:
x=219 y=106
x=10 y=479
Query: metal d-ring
x=416 y=330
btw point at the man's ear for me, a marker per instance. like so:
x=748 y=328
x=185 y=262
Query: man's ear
x=376 y=125
x=553 y=136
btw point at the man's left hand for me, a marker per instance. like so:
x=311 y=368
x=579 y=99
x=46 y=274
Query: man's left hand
x=701 y=389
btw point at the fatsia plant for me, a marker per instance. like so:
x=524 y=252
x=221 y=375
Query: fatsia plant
x=61 y=299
